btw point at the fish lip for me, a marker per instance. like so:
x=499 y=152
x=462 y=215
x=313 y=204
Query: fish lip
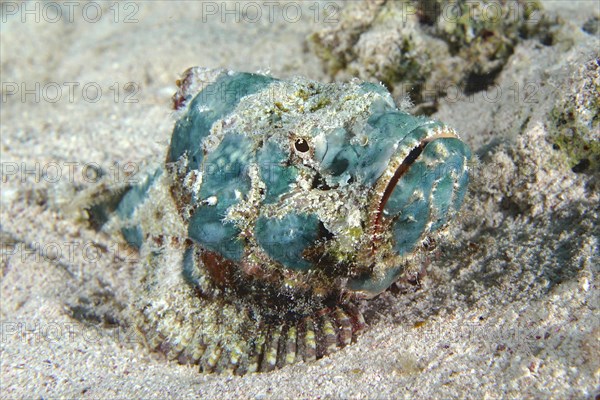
x=373 y=283
x=390 y=266
x=400 y=171
x=399 y=167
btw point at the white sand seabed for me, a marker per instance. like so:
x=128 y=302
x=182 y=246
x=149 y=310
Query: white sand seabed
x=468 y=332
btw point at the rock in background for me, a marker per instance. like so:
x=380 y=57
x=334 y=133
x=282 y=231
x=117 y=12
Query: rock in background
x=431 y=46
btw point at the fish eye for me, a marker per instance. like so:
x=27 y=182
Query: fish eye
x=301 y=145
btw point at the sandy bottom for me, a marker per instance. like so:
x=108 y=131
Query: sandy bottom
x=510 y=312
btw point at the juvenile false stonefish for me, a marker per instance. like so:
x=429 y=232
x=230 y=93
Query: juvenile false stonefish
x=279 y=205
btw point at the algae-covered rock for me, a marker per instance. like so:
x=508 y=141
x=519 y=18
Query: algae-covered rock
x=426 y=47
x=576 y=119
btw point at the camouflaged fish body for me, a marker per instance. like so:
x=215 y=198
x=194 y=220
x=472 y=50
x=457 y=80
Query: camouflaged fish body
x=280 y=203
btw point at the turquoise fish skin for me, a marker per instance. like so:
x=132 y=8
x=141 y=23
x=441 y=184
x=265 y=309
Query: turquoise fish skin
x=283 y=198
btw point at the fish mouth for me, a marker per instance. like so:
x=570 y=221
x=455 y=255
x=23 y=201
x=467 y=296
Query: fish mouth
x=401 y=170
x=421 y=189
x=400 y=165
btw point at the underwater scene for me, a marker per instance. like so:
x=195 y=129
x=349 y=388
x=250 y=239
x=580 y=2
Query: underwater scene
x=300 y=199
